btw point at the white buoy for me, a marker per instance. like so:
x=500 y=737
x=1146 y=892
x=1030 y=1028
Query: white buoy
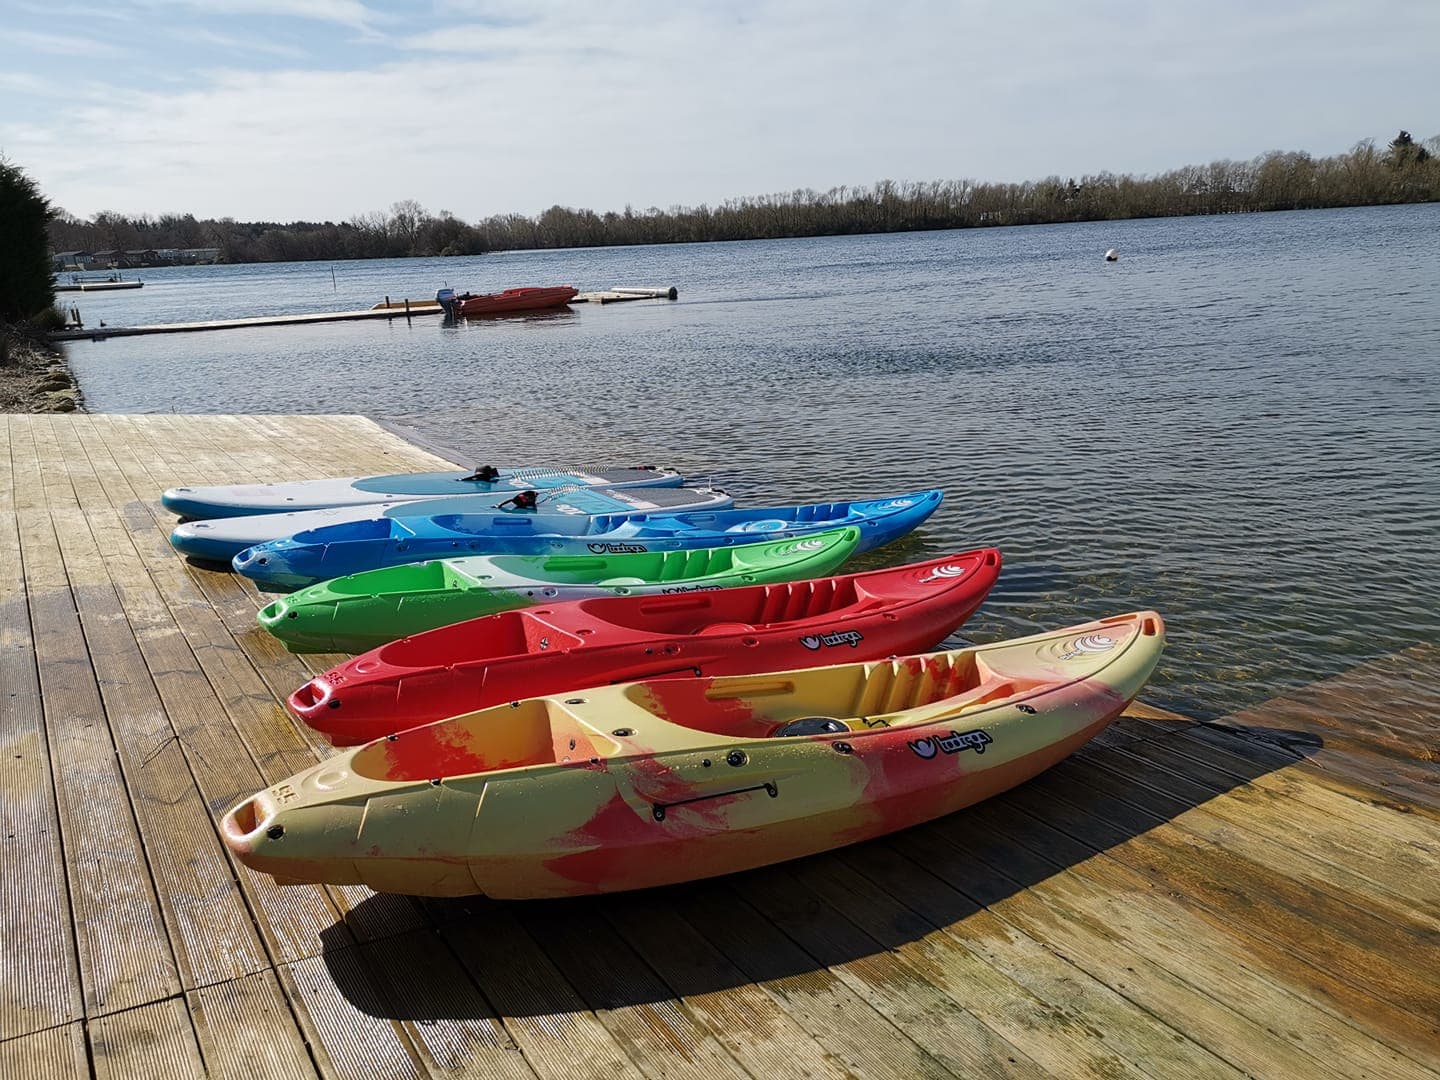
x=1112 y=255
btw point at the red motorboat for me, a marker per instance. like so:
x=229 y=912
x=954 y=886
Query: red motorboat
x=527 y=299
x=571 y=646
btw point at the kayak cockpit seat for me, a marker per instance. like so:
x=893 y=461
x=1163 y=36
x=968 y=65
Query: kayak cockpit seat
x=810 y=725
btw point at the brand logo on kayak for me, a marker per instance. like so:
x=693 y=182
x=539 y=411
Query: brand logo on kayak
x=763 y=525
x=618 y=549
x=839 y=637
x=691 y=588
x=951 y=744
x=803 y=545
x=896 y=504
x=948 y=572
x=1087 y=644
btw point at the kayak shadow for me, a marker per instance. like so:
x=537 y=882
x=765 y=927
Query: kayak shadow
x=874 y=916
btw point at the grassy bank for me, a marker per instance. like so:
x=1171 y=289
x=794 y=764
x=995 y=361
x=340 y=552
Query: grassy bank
x=34 y=376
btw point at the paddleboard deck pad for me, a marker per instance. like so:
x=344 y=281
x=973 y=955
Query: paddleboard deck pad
x=236 y=500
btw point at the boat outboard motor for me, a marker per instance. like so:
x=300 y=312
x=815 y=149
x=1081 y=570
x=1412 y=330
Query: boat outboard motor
x=448 y=303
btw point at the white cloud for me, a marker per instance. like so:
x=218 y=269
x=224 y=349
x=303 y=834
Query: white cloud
x=68 y=45
x=263 y=46
x=350 y=13
x=600 y=106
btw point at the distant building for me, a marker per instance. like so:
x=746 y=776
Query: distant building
x=199 y=255
x=108 y=260
x=71 y=260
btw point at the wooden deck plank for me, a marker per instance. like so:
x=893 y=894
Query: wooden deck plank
x=1225 y=920
x=223 y=699
x=821 y=1001
x=946 y=1018
x=247 y=1030
x=542 y=1011
x=1203 y=977
x=211 y=928
x=278 y=744
x=41 y=984
x=7 y=474
x=155 y=1041
x=447 y=1018
x=760 y=1035
x=200 y=732
x=56 y=1053
x=125 y=954
x=1391 y=877
x=637 y=1008
x=1322 y=930
x=1166 y=963
x=348 y=1029
x=1068 y=1020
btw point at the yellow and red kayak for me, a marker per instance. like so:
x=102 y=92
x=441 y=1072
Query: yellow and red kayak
x=652 y=783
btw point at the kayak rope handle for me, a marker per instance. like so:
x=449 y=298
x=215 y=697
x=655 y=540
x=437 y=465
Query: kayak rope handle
x=657 y=810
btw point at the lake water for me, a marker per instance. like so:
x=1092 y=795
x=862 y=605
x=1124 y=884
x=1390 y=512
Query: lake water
x=1238 y=423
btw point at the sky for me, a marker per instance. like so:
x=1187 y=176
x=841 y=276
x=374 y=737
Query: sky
x=322 y=110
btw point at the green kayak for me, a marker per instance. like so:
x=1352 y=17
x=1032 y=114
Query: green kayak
x=361 y=611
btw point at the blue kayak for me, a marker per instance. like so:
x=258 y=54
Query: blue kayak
x=238 y=500
x=221 y=539
x=337 y=550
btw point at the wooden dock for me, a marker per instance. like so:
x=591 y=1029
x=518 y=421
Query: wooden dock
x=1256 y=897
x=380 y=311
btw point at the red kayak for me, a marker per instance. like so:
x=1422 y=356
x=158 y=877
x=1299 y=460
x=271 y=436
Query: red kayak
x=549 y=650
x=528 y=299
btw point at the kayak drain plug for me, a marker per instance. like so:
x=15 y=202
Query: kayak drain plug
x=275 y=832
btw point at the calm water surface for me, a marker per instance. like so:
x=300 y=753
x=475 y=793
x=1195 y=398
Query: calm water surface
x=1237 y=424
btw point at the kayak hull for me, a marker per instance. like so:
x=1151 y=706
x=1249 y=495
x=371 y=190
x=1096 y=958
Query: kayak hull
x=499 y=658
x=221 y=539
x=359 y=612
x=337 y=550
x=666 y=781
x=238 y=500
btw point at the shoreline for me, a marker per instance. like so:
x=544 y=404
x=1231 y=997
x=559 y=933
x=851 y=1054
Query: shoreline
x=35 y=376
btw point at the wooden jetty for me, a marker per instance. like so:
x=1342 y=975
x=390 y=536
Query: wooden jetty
x=99 y=286
x=394 y=310
x=619 y=293
x=1253 y=897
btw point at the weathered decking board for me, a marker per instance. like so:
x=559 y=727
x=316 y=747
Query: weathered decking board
x=1252 y=897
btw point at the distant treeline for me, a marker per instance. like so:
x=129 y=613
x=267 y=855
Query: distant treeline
x=1404 y=172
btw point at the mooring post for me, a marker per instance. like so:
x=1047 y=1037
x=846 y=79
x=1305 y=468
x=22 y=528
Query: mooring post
x=407 y=312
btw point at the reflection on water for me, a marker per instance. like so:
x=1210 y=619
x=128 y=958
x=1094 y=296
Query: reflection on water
x=1236 y=423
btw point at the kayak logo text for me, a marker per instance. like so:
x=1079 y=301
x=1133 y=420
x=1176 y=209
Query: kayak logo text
x=839 y=637
x=951 y=744
x=617 y=549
